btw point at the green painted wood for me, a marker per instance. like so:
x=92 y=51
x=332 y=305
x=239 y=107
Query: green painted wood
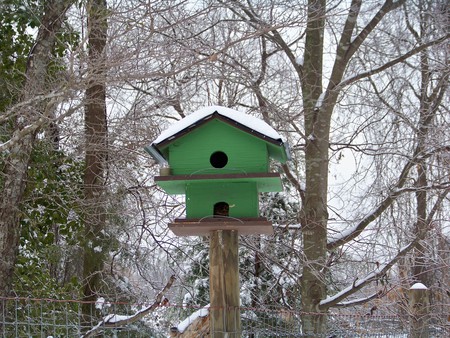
x=176 y=185
x=190 y=154
x=237 y=172
x=277 y=153
x=242 y=198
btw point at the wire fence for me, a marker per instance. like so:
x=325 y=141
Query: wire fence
x=50 y=318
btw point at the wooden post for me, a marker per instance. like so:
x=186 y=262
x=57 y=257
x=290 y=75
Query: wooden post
x=419 y=308
x=225 y=316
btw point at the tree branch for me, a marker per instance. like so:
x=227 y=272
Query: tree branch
x=391 y=63
x=359 y=284
x=359 y=301
x=275 y=37
x=346 y=47
x=112 y=320
x=294 y=182
x=38 y=123
x=387 y=7
x=395 y=192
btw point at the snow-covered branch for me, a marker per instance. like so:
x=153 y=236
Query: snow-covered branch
x=397 y=190
x=359 y=301
x=27 y=103
x=33 y=127
x=113 y=320
x=358 y=284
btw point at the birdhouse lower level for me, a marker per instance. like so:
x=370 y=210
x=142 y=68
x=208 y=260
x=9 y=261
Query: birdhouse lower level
x=219 y=202
x=233 y=199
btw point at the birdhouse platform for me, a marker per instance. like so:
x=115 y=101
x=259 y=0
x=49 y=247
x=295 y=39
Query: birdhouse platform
x=176 y=184
x=204 y=226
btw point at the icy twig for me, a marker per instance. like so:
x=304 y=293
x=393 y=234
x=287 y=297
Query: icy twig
x=113 y=320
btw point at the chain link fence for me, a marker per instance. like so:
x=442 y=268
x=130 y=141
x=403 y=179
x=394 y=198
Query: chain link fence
x=49 y=318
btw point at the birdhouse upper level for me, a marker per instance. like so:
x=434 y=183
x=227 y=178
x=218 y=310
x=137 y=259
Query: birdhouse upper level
x=218 y=140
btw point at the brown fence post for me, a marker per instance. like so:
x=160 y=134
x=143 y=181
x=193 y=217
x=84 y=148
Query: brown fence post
x=419 y=311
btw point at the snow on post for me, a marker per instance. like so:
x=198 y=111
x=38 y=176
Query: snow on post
x=419 y=310
x=418 y=286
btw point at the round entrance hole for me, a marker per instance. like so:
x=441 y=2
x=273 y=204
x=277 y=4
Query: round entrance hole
x=218 y=159
x=221 y=209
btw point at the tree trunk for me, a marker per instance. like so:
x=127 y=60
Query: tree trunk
x=430 y=99
x=314 y=211
x=15 y=169
x=96 y=154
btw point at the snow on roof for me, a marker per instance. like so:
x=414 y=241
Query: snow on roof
x=248 y=121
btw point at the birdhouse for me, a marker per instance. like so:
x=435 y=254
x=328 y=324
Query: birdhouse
x=220 y=159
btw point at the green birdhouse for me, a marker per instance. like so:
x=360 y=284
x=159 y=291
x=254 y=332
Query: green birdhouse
x=219 y=158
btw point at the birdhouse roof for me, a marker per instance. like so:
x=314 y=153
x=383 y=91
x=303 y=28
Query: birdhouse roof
x=252 y=123
x=245 y=122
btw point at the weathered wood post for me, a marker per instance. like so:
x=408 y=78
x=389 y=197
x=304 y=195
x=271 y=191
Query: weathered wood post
x=419 y=311
x=219 y=158
x=224 y=284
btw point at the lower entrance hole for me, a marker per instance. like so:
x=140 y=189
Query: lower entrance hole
x=221 y=209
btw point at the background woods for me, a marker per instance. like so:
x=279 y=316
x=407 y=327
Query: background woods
x=358 y=88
